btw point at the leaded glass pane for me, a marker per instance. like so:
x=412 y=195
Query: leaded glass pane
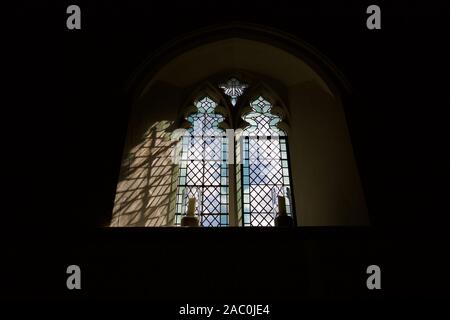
x=265 y=169
x=202 y=172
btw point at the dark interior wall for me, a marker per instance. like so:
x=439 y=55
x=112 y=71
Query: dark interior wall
x=67 y=118
x=383 y=126
x=395 y=128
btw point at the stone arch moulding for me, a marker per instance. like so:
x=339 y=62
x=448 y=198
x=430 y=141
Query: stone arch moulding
x=334 y=79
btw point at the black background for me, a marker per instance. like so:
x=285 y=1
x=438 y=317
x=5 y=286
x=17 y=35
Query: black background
x=65 y=121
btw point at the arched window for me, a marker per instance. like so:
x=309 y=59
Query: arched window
x=203 y=169
x=256 y=179
x=304 y=95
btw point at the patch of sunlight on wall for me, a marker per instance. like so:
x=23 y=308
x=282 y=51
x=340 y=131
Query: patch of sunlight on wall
x=147 y=187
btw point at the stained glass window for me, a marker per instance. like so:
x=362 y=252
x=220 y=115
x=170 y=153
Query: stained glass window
x=203 y=167
x=234 y=89
x=265 y=169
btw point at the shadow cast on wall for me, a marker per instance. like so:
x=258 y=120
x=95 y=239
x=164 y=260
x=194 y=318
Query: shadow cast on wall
x=147 y=182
